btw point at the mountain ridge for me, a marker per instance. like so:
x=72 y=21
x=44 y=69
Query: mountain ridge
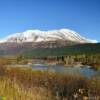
x=52 y=35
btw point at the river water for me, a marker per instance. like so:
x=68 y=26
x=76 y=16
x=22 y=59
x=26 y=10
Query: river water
x=84 y=71
x=87 y=72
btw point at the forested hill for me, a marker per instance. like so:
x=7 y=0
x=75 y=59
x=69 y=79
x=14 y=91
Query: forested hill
x=29 y=51
x=69 y=50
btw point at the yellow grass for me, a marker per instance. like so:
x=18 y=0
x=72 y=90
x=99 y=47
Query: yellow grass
x=10 y=90
x=26 y=84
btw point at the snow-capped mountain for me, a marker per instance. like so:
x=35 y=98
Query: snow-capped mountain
x=43 y=36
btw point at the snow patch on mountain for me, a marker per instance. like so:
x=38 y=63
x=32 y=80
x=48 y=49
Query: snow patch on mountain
x=39 y=36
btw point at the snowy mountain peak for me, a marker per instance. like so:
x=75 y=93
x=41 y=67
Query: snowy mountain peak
x=39 y=36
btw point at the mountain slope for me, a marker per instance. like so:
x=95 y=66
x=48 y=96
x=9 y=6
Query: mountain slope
x=8 y=48
x=28 y=50
x=70 y=50
x=43 y=36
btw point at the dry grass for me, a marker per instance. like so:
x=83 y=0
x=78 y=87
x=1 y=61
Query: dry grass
x=25 y=84
x=10 y=90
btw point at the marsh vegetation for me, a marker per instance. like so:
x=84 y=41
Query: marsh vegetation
x=26 y=84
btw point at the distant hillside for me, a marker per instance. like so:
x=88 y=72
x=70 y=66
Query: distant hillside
x=70 y=50
x=9 y=48
x=48 y=49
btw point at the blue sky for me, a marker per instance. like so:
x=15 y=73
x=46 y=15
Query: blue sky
x=83 y=16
